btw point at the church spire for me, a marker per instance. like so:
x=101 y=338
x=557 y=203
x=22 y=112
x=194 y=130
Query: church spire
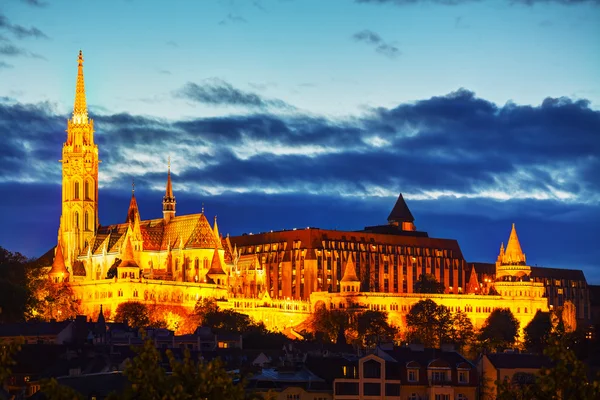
x=169 y=199
x=350 y=282
x=133 y=211
x=513 y=255
x=80 y=114
x=59 y=272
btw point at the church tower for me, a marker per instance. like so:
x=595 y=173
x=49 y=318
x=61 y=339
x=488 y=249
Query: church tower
x=79 y=218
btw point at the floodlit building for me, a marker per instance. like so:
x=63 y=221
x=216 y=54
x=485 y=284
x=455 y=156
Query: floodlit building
x=279 y=278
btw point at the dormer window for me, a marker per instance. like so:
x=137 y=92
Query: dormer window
x=413 y=375
x=463 y=377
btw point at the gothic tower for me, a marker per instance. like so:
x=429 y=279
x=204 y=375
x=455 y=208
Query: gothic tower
x=79 y=218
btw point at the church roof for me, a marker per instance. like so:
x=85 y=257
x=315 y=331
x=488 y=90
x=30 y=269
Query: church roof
x=128 y=260
x=192 y=230
x=400 y=212
x=133 y=210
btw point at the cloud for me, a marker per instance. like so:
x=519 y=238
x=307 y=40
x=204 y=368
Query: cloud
x=14 y=51
x=233 y=19
x=464 y=163
x=20 y=31
x=382 y=47
x=217 y=92
x=35 y=3
x=5 y=65
x=172 y=43
x=458 y=2
x=164 y=72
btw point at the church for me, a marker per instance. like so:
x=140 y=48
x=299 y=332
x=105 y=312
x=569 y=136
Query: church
x=279 y=277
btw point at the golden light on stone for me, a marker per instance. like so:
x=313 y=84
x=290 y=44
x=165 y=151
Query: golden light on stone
x=175 y=260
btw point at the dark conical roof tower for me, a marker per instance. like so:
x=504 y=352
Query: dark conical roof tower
x=400 y=213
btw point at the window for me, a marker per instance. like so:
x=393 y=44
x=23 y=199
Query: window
x=135 y=293
x=438 y=376
x=442 y=397
x=372 y=389
x=413 y=375
x=461 y=396
x=371 y=369
x=86 y=190
x=413 y=396
x=76 y=219
x=463 y=376
x=76 y=190
x=86 y=221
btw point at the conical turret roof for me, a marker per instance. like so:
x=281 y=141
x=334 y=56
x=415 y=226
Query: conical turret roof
x=58 y=265
x=216 y=268
x=513 y=255
x=128 y=260
x=350 y=272
x=133 y=210
x=400 y=212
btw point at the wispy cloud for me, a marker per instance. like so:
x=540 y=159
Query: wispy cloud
x=381 y=46
x=5 y=65
x=233 y=19
x=218 y=92
x=459 y=2
x=20 y=31
x=35 y=3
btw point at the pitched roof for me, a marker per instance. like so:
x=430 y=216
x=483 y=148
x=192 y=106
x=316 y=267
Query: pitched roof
x=558 y=273
x=33 y=328
x=215 y=266
x=400 y=212
x=513 y=253
x=128 y=260
x=518 y=360
x=58 y=266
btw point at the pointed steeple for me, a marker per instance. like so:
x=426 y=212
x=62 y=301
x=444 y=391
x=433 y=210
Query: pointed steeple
x=58 y=272
x=401 y=215
x=169 y=200
x=133 y=212
x=80 y=114
x=513 y=254
x=216 y=231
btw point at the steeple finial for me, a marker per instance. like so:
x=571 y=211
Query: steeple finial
x=132 y=185
x=80 y=114
x=216 y=231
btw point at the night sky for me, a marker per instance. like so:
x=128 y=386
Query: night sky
x=281 y=114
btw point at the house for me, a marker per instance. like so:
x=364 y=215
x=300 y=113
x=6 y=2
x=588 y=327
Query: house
x=512 y=366
x=410 y=372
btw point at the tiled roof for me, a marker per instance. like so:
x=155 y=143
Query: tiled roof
x=314 y=238
x=557 y=273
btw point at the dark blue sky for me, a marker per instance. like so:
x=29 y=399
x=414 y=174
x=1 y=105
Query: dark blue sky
x=480 y=123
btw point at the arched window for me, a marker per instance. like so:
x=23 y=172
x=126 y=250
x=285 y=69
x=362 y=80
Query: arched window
x=86 y=221
x=196 y=263
x=205 y=263
x=76 y=219
x=76 y=190
x=87 y=190
x=177 y=264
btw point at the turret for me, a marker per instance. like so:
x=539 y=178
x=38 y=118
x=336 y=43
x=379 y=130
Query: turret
x=169 y=200
x=58 y=273
x=401 y=216
x=350 y=282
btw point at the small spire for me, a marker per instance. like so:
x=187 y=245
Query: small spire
x=58 y=265
x=350 y=272
x=133 y=211
x=202 y=207
x=80 y=114
x=169 y=199
x=216 y=230
x=132 y=186
x=216 y=268
x=128 y=259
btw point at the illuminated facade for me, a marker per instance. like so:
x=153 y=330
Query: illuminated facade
x=276 y=277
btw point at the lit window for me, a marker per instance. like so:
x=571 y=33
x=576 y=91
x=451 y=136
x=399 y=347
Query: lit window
x=463 y=377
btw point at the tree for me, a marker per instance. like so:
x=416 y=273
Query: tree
x=429 y=323
x=136 y=314
x=500 y=329
x=537 y=332
x=461 y=332
x=14 y=293
x=330 y=325
x=372 y=328
x=427 y=283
